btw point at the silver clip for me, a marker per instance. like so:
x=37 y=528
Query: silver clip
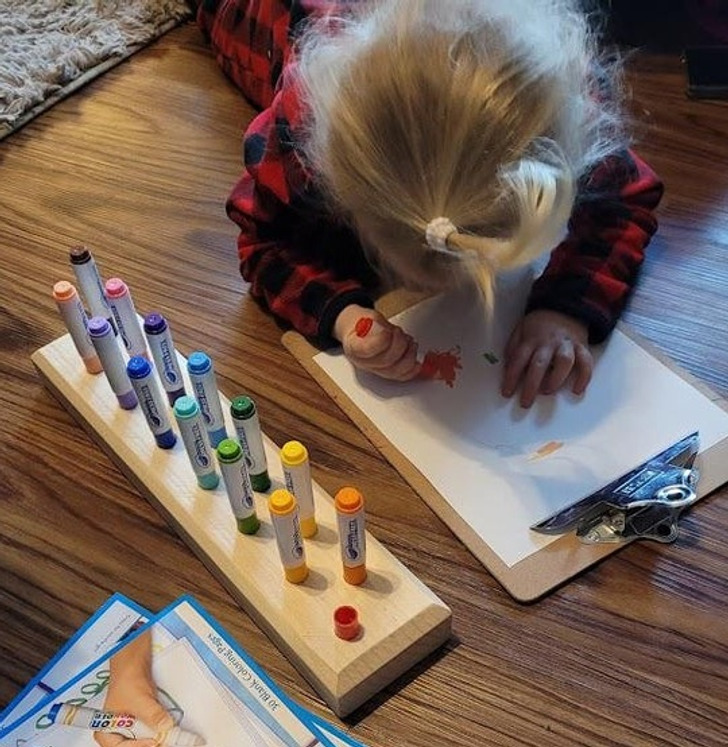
x=643 y=504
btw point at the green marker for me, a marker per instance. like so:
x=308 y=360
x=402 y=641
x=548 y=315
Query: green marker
x=247 y=427
x=237 y=484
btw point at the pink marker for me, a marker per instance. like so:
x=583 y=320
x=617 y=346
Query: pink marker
x=127 y=321
x=74 y=317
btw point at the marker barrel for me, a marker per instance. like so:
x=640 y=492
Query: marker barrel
x=297 y=474
x=129 y=726
x=197 y=444
x=74 y=317
x=153 y=405
x=104 y=342
x=204 y=387
x=122 y=307
x=231 y=459
x=286 y=525
x=247 y=427
x=159 y=338
x=89 y=283
x=349 y=504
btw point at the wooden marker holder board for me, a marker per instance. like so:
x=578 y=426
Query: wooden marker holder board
x=402 y=620
x=561 y=559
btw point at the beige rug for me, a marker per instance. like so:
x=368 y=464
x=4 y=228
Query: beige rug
x=50 y=48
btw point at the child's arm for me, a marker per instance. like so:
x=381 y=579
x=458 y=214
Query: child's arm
x=585 y=286
x=592 y=272
x=301 y=264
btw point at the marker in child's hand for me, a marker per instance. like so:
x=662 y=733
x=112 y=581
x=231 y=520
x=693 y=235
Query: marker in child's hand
x=363 y=326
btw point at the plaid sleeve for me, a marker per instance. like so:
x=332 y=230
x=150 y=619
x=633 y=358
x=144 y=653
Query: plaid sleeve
x=592 y=272
x=302 y=267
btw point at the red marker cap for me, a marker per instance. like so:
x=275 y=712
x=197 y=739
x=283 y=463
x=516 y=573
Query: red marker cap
x=363 y=326
x=346 y=622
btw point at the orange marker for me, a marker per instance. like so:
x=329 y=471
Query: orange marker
x=74 y=317
x=363 y=326
x=284 y=516
x=349 y=504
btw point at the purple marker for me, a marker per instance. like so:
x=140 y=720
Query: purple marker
x=151 y=401
x=160 y=342
x=104 y=342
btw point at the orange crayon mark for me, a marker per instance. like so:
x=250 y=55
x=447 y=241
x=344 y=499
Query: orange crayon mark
x=442 y=365
x=548 y=448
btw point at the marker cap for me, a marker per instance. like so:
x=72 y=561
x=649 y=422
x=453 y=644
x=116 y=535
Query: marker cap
x=349 y=500
x=79 y=255
x=199 y=363
x=294 y=453
x=346 y=622
x=281 y=502
x=186 y=407
x=228 y=450
x=242 y=407
x=63 y=290
x=116 y=288
x=138 y=367
x=154 y=323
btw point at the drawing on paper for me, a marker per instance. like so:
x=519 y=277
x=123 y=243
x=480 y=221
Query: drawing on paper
x=550 y=447
x=442 y=365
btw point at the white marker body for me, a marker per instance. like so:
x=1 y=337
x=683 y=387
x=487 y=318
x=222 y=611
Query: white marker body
x=152 y=403
x=127 y=725
x=289 y=539
x=127 y=321
x=89 y=281
x=113 y=362
x=352 y=536
x=204 y=389
x=298 y=482
x=238 y=487
x=165 y=359
x=251 y=439
x=76 y=321
x=197 y=444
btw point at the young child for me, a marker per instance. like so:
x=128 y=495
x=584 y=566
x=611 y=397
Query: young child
x=428 y=143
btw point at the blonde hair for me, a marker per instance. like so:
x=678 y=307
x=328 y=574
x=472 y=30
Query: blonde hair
x=482 y=112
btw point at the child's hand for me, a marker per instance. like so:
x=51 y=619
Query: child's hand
x=543 y=350
x=376 y=345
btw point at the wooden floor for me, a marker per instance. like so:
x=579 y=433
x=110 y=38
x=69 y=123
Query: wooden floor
x=137 y=166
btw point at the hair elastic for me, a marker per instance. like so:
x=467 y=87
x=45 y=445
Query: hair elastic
x=438 y=229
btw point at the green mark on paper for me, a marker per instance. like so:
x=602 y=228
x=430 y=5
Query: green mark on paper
x=490 y=357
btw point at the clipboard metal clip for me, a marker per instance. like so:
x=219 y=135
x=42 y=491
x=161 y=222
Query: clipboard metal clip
x=645 y=503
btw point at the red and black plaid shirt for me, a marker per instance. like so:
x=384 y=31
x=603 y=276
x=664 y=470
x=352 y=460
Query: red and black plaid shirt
x=305 y=265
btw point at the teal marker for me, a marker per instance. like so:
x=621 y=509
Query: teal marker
x=194 y=435
x=247 y=427
x=237 y=483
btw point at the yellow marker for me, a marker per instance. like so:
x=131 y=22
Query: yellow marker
x=352 y=536
x=284 y=516
x=297 y=473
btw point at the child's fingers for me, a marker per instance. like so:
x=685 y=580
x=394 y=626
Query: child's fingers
x=562 y=362
x=534 y=375
x=583 y=367
x=516 y=364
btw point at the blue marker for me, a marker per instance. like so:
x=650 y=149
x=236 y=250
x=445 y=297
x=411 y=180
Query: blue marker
x=194 y=435
x=151 y=400
x=160 y=342
x=204 y=387
x=102 y=336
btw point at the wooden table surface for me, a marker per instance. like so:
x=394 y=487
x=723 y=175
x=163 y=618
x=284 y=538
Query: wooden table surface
x=137 y=166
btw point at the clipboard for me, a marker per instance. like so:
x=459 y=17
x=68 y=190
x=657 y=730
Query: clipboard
x=564 y=558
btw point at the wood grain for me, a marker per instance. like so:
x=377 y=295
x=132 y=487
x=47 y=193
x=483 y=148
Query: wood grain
x=138 y=165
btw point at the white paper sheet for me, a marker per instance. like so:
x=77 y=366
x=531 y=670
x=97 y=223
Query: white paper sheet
x=480 y=450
